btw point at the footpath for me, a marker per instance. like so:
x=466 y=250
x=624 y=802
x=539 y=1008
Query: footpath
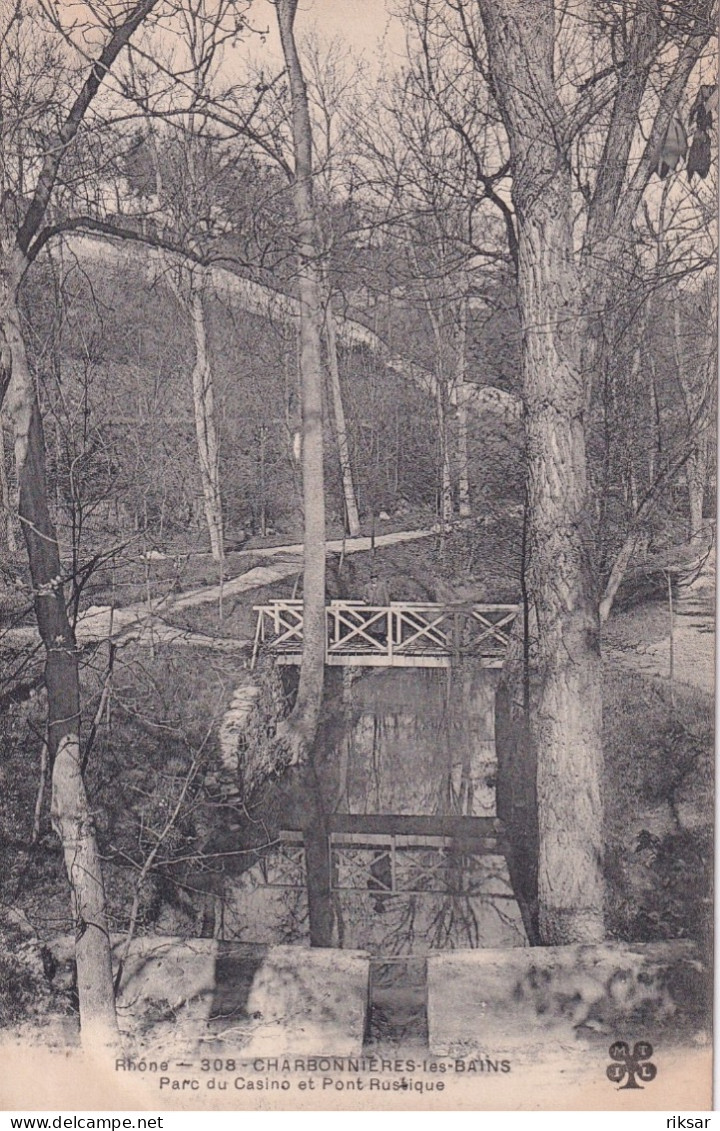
x=143 y=621
x=689 y=654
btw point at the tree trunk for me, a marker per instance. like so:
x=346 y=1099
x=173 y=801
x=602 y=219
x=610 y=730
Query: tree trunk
x=655 y=445
x=71 y=814
x=302 y=724
x=565 y=725
x=566 y=716
x=351 y=509
x=445 y=476
x=73 y=822
x=204 y=406
x=696 y=472
x=7 y=507
x=459 y=398
x=316 y=836
x=634 y=540
x=694 y=394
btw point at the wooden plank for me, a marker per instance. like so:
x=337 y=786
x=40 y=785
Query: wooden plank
x=404 y=824
x=340 y=660
x=496 y=608
x=372 y=842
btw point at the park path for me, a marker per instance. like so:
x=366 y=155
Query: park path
x=144 y=621
x=693 y=637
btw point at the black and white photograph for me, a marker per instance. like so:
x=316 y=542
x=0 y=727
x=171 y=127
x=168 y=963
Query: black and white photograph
x=358 y=438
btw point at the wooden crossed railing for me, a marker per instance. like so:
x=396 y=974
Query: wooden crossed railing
x=388 y=854
x=401 y=634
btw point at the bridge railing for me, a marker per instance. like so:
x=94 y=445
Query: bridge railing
x=388 y=633
x=391 y=863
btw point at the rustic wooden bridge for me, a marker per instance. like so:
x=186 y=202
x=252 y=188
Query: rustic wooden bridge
x=401 y=634
x=393 y=854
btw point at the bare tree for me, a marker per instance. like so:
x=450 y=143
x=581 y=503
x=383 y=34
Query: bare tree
x=558 y=294
x=302 y=723
x=188 y=185
x=50 y=85
x=341 y=430
x=331 y=86
x=187 y=282
x=72 y=816
x=431 y=151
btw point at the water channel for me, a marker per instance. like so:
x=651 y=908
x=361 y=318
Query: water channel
x=410 y=743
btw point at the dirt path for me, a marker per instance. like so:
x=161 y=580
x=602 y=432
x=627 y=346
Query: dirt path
x=292 y=563
x=144 y=622
x=693 y=657
x=692 y=654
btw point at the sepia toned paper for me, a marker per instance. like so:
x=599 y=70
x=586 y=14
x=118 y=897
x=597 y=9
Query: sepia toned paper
x=357 y=607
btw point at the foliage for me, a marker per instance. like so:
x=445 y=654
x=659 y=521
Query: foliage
x=24 y=987
x=27 y=973
x=659 y=810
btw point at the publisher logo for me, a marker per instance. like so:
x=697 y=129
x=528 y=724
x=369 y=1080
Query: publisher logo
x=636 y=1065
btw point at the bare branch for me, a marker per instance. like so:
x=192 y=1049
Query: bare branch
x=48 y=175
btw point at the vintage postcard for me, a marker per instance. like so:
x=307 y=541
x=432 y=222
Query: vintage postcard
x=357 y=554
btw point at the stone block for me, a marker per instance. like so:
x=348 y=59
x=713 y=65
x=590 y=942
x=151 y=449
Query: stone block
x=167 y=979
x=491 y=1002
x=242 y=999
x=308 y=1001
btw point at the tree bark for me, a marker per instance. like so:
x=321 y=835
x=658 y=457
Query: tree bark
x=318 y=863
x=460 y=400
x=204 y=407
x=302 y=723
x=188 y=290
x=693 y=384
x=444 y=469
x=696 y=472
x=7 y=507
x=341 y=436
x=565 y=722
x=71 y=814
